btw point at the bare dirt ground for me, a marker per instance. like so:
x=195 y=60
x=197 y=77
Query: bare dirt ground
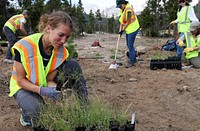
x=162 y=100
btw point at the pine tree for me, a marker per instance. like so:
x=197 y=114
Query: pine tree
x=91 y=22
x=80 y=17
x=98 y=20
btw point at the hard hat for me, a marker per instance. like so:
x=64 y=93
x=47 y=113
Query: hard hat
x=194 y=25
x=26 y=12
x=119 y=3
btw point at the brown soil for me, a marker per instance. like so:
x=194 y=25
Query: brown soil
x=162 y=100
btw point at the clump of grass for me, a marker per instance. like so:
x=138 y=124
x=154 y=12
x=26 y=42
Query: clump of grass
x=98 y=56
x=68 y=116
x=161 y=55
x=113 y=57
x=112 y=50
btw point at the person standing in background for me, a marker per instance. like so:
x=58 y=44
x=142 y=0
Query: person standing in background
x=130 y=24
x=15 y=23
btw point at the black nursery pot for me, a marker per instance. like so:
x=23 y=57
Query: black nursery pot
x=82 y=128
x=114 y=125
x=130 y=127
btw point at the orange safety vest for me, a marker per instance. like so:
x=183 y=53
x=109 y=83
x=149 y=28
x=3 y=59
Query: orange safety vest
x=134 y=24
x=13 y=23
x=32 y=62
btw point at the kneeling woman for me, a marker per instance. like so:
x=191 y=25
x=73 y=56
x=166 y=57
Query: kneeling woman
x=38 y=60
x=193 y=44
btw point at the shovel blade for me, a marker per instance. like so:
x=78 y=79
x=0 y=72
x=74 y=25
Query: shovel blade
x=114 y=66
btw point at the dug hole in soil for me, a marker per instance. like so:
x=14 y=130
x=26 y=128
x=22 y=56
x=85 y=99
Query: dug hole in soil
x=167 y=100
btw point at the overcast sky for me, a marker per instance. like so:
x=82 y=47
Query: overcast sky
x=102 y=4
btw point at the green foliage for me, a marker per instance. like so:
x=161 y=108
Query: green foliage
x=98 y=15
x=111 y=24
x=197 y=10
x=98 y=56
x=68 y=115
x=91 y=22
x=80 y=17
x=72 y=50
x=161 y=55
x=157 y=15
x=71 y=38
x=112 y=57
x=171 y=7
x=52 y=5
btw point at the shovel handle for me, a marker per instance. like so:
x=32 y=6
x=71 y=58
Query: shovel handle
x=117 y=46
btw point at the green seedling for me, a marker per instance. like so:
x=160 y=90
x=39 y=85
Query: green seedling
x=68 y=115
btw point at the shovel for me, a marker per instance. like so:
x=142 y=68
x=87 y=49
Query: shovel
x=115 y=64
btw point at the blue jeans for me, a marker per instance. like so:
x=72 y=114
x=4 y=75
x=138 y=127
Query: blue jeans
x=130 y=39
x=12 y=39
x=179 y=49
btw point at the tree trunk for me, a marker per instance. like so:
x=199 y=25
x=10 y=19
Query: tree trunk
x=175 y=34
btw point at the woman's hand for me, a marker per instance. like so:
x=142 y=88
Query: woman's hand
x=51 y=92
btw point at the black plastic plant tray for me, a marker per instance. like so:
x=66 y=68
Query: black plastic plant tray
x=169 y=63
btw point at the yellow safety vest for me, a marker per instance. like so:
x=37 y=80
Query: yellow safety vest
x=134 y=24
x=191 y=43
x=183 y=20
x=32 y=62
x=13 y=22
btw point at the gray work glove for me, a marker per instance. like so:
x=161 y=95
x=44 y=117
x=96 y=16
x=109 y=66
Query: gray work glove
x=51 y=92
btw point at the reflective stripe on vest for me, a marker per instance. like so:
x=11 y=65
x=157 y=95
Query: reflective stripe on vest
x=134 y=24
x=32 y=62
x=183 y=20
x=13 y=23
x=191 y=44
x=132 y=19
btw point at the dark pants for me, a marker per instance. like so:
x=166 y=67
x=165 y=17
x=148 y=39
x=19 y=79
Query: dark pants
x=12 y=39
x=30 y=102
x=130 y=39
x=179 y=49
x=71 y=72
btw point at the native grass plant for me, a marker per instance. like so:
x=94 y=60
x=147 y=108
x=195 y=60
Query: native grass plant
x=98 y=56
x=70 y=115
x=161 y=55
x=113 y=51
x=71 y=47
x=113 y=57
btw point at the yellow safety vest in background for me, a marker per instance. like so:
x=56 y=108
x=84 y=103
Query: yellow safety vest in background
x=183 y=20
x=32 y=62
x=134 y=25
x=13 y=22
x=191 y=43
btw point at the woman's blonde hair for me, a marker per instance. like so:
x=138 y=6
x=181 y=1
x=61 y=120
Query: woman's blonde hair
x=54 y=20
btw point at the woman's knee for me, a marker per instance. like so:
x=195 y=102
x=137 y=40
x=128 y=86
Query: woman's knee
x=72 y=65
x=29 y=102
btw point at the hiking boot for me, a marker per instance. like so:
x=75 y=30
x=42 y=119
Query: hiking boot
x=8 y=61
x=23 y=122
x=129 y=64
